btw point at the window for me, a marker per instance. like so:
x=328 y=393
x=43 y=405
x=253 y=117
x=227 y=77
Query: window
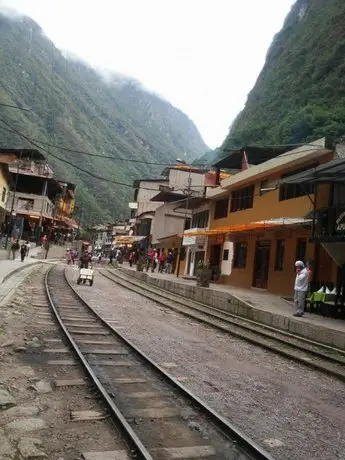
x=240 y=255
x=289 y=191
x=226 y=254
x=301 y=249
x=242 y=199
x=280 y=251
x=200 y=219
x=3 y=195
x=221 y=208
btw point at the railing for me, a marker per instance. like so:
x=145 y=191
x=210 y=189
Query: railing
x=329 y=225
x=31 y=168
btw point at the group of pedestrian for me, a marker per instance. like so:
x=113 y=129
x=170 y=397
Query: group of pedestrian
x=71 y=256
x=23 y=248
x=156 y=259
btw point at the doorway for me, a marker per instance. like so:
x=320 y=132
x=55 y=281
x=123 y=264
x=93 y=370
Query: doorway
x=198 y=256
x=261 y=264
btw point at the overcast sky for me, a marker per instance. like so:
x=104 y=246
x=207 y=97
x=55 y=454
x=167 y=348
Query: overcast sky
x=202 y=55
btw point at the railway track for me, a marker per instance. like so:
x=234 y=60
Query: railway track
x=312 y=354
x=159 y=418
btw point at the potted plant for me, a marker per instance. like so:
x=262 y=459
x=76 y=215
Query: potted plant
x=203 y=274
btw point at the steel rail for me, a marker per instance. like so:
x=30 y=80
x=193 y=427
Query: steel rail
x=282 y=352
x=212 y=311
x=228 y=429
x=135 y=442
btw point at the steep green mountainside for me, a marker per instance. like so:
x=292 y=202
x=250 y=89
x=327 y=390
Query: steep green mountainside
x=300 y=93
x=73 y=106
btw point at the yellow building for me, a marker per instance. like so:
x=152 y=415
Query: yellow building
x=258 y=227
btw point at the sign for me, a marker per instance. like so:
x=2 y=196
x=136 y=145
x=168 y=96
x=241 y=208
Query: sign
x=133 y=205
x=189 y=240
x=340 y=222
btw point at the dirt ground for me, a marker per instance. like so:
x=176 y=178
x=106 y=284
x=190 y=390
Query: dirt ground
x=35 y=415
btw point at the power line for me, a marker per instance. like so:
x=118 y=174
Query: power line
x=24 y=109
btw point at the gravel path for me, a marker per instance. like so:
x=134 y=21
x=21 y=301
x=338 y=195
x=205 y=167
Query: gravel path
x=294 y=412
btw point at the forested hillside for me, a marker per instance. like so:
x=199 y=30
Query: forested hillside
x=75 y=107
x=300 y=93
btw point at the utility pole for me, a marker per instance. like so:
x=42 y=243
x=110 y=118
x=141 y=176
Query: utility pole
x=188 y=192
x=44 y=193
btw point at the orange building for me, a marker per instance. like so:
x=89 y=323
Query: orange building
x=260 y=227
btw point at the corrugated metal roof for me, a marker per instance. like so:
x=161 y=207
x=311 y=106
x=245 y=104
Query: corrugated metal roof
x=294 y=157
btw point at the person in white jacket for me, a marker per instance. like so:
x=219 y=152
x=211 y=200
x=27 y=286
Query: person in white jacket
x=301 y=287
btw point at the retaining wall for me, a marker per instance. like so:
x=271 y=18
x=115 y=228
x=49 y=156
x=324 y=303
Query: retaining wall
x=232 y=304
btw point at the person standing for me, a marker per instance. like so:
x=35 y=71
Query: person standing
x=301 y=287
x=169 y=262
x=14 y=248
x=161 y=259
x=22 y=252
x=27 y=244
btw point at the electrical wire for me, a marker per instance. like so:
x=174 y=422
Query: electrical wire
x=24 y=109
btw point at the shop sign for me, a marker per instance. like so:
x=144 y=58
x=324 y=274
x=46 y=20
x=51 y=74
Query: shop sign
x=189 y=240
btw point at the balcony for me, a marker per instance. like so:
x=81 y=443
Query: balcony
x=30 y=168
x=329 y=225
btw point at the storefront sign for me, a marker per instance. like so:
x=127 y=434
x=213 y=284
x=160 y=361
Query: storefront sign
x=189 y=240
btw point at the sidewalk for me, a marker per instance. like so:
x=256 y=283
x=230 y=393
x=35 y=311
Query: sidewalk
x=9 y=267
x=252 y=304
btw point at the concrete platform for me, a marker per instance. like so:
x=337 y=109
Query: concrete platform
x=9 y=267
x=253 y=304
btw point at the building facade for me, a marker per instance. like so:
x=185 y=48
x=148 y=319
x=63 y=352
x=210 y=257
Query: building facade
x=260 y=227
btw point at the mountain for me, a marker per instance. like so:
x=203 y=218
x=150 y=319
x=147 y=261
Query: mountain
x=299 y=95
x=76 y=107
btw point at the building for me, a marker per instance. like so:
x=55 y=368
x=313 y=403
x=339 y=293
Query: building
x=258 y=225
x=38 y=201
x=328 y=228
x=143 y=209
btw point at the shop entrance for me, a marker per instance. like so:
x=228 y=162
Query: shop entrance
x=198 y=256
x=261 y=264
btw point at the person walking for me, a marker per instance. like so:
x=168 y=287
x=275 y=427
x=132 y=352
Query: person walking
x=27 y=245
x=14 y=248
x=22 y=252
x=301 y=287
x=161 y=259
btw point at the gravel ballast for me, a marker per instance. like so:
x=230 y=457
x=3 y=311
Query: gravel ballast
x=289 y=409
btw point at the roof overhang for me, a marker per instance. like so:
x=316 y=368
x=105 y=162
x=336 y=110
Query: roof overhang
x=192 y=203
x=255 y=156
x=264 y=225
x=333 y=171
x=33 y=154
x=166 y=196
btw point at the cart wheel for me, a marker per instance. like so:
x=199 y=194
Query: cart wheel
x=78 y=281
x=91 y=282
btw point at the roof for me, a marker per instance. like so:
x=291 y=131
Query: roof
x=167 y=196
x=136 y=183
x=255 y=156
x=282 y=162
x=32 y=153
x=334 y=171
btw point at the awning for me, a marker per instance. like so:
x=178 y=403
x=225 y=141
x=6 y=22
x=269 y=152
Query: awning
x=333 y=171
x=126 y=239
x=252 y=226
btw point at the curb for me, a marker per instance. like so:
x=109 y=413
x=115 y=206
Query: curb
x=16 y=270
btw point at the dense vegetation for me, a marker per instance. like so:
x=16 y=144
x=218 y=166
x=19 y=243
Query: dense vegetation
x=73 y=106
x=300 y=93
